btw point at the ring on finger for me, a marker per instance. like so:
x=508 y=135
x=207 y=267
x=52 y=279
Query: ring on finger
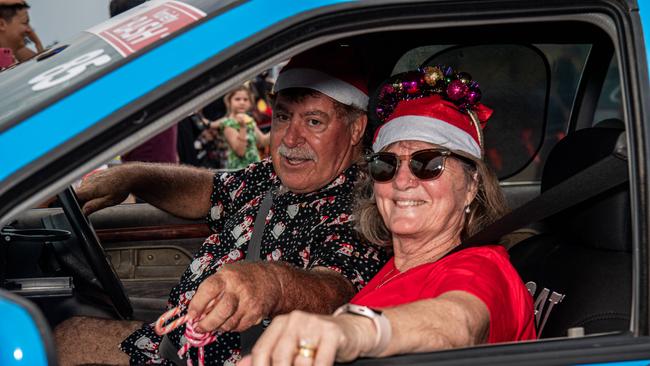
x=306 y=348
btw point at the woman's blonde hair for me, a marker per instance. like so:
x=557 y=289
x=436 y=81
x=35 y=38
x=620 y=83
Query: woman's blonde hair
x=488 y=205
x=230 y=94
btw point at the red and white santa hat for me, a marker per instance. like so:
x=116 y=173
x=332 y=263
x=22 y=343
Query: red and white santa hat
x=333 y=70
x=434 y=120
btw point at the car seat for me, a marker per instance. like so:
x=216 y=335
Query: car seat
x=586 y=251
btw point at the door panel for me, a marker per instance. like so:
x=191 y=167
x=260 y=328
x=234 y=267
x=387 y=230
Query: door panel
x=148 y=248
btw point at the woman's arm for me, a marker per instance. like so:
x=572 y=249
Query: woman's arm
x=453 y=319
x=24 y=54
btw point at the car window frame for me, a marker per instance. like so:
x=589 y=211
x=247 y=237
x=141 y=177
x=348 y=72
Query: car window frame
x=614 y=345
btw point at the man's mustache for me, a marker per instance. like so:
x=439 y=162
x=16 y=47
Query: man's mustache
x=302 y=153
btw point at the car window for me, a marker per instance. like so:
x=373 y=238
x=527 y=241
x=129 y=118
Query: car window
x=609 y=104
x=532 y=97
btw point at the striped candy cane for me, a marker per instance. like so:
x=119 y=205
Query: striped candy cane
x=194 y=338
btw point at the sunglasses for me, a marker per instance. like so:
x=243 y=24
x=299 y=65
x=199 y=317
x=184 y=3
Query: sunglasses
x=424 y=164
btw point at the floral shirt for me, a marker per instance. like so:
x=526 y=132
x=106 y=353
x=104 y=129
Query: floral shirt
x=251 y=154
x=306 y=230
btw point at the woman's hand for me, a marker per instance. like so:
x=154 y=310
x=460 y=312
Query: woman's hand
x=301 y=338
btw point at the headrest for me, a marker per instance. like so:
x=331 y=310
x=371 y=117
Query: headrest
x=600 y=222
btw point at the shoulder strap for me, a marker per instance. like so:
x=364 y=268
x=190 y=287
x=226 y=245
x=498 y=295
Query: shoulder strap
x=250 y=335
x=255 y=244
x=605 y=174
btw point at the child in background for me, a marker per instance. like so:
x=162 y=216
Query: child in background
x=240 y=129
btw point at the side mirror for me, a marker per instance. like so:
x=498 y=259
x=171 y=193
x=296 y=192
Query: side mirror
x=25 y=337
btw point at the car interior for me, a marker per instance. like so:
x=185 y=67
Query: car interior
x=559 y=101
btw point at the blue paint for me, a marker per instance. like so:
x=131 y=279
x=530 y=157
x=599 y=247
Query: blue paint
x=21 y=342
x=65 y=119
x=644 y=12
x=627 y=363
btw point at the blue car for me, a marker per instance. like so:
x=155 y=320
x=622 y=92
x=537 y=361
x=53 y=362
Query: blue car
x=568 y=80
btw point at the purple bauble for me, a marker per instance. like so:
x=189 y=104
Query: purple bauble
x=474 y=84
x=473 y=96
x=456 y=90
x=411 y=87
x=464 y=77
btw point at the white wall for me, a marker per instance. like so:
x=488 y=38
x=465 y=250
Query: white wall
x=60 y=20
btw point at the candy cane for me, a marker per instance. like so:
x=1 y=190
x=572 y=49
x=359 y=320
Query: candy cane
x=194 y=337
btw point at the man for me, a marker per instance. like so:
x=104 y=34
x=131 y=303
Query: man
x=15 y=28
x=314 y=260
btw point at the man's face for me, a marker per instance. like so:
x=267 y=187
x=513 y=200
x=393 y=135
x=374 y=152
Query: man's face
x=310 y=144
x=14 y=31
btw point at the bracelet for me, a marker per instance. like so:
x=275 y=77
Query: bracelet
x=381 y=323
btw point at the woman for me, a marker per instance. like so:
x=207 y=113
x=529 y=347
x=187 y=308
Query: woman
x=240 y=129
x=431 y=190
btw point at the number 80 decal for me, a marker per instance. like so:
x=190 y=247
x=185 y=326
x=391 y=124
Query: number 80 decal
x=68 y=70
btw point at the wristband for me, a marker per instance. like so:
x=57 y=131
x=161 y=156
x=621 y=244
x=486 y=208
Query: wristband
x=381 y=323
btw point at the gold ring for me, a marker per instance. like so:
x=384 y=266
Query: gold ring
x=306 y=348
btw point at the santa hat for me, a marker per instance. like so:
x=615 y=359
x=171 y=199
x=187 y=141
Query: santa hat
x=333 y=70
x=443 y=111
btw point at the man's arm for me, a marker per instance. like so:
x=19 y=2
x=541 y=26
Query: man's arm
x=180 y=190
x=240 y=295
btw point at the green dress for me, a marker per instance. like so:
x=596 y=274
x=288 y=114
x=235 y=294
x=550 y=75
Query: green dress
x=251 y=155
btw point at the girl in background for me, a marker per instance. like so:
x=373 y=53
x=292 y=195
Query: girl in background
x=240 y=129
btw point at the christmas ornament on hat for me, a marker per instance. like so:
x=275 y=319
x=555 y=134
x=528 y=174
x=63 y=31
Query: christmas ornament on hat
x=435 y=105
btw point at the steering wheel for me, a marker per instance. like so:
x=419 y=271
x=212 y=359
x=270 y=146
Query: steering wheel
x=94 y=253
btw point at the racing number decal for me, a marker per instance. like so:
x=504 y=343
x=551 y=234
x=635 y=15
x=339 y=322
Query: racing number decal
x=69 y=70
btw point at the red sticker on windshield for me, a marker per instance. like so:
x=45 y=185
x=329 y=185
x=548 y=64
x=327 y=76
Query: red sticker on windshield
x=146 y=25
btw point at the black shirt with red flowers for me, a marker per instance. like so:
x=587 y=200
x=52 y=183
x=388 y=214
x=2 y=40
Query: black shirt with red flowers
x=306 y=230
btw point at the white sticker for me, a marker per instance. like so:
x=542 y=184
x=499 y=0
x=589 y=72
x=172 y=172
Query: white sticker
x=69 y=70
x=156 y=19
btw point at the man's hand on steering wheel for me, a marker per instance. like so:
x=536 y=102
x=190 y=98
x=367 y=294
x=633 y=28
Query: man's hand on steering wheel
x=102 y=189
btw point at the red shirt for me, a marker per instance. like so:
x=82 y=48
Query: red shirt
x=484 y=272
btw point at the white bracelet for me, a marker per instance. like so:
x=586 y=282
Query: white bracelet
x=381 y=323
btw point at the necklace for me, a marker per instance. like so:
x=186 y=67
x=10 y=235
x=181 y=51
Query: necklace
x=392 y=276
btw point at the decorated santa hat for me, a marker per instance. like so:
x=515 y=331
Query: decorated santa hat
x=332 y=69
x=434 y=105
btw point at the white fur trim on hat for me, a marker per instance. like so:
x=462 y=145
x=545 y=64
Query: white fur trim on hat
x=334 y=88
x=426 y=129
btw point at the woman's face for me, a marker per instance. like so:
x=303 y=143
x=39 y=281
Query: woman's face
x=239 y=102
x=424 y=209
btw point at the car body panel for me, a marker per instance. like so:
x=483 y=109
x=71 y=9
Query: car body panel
x=24 y=336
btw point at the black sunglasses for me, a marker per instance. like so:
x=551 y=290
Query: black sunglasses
x=424 y=164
